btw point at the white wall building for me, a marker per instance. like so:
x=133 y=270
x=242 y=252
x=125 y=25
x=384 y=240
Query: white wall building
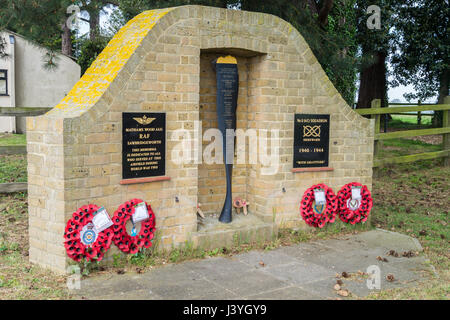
x=24 y=82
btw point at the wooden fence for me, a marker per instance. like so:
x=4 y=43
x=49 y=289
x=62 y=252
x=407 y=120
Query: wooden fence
x=376 y=111
x=19 y=149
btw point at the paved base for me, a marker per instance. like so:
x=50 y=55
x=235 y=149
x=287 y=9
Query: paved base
x=303 y=271
x=243 y=229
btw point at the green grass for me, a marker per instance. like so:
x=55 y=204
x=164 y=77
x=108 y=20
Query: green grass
x=401 y=147
x=409 y=121
x=13 y=168
x=10 y=139
x=18 y=278
x=414 y=199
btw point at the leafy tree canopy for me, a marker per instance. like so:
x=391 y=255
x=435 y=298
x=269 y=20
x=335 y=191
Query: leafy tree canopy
x=421 y=55
x=328 y=26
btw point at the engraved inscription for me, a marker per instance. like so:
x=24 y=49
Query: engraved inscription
x=311 y=140
x=143 y=145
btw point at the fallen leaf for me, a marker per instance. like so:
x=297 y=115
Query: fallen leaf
x=390 y=277
x=343 y=293
x=408 y=254
x=393 y=253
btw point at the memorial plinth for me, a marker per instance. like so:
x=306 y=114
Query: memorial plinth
x=159 y=66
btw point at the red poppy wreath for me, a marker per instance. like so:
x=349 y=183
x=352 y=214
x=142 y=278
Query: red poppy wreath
x=82 y=238
x=318 y=215
x=139 y=212
x=355 y=203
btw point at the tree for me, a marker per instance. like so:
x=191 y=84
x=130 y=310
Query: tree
x=45 y=21
x=422 y=49
x=41 y=21
x=327 y=25
x=375 y=49
x=93 y=9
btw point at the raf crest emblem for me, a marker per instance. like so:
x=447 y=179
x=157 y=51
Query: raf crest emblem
x=144 y=120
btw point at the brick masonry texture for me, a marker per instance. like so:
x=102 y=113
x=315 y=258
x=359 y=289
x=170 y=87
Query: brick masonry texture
x=159 y=62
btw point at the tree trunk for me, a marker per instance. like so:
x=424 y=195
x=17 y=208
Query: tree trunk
x=372 y=83
x=312 y=6
x=66 y=40
x=324 y=12
x=94 y=24
x=444 y=86
x=443 y=92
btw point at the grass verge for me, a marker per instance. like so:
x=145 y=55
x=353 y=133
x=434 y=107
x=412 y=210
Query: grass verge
x=12 y=139
x=13 y=168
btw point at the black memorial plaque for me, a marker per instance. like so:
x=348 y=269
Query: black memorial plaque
x=143 y=144
x=311 y=140
x=227 y=79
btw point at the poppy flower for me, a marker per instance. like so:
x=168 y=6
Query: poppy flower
x=126 y=242
x=314 y=216
x=75 y=248
x=354 y=214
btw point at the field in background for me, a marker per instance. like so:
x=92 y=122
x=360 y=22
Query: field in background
x=10 y=139
x=402 y=120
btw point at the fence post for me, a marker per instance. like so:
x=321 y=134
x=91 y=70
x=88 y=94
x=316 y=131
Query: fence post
x=446 y=136
x=419 y=114
x=376 y=103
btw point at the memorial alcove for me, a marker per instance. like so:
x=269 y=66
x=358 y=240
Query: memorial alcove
x=154 y=64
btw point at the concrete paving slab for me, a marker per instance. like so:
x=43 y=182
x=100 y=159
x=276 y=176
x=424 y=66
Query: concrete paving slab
x=302 y=271
x=132 y=295
x=109 y=285
x=248 y=283
x=263 y=259
x=189 y=290
x=302 y=251
x=217 y=266
x=389 y=240
x=322 y=288
x=287 y=293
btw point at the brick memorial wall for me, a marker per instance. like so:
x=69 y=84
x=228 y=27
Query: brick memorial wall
x=160 y=63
